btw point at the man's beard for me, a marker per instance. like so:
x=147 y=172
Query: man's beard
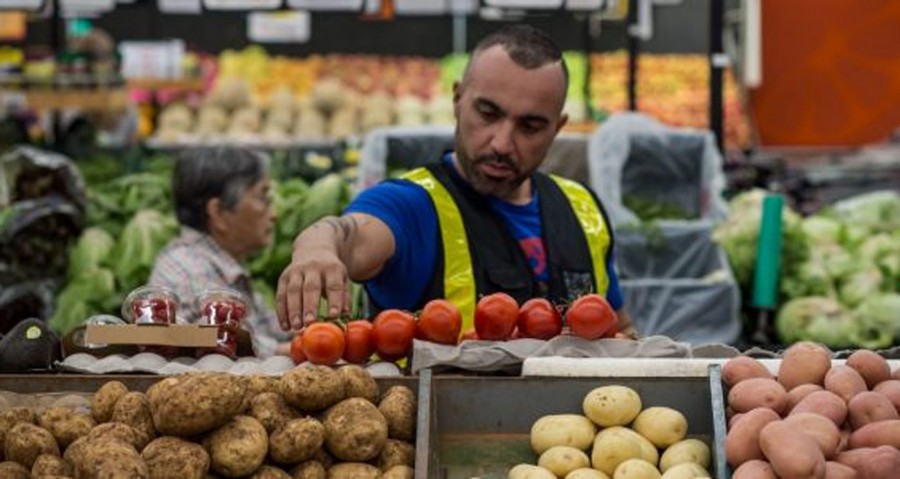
x=485 y=184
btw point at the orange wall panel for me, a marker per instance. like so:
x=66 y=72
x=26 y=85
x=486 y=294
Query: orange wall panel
x=830 y=72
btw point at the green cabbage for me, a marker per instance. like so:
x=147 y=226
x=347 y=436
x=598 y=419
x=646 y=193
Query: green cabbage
x=857 y=286
x=86 y=294
x=92 y=249
x=822 y=230
x=881 y=311
x=142 y=239
x=816 y=319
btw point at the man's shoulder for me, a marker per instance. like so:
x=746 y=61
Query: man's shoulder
x=390 y=194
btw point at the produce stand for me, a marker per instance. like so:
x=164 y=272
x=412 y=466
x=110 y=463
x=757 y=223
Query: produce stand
x=480 y=425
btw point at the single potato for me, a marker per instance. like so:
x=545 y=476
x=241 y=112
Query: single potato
x=612 y=405
x=688 y=450
x=649 y=452
x=169 y=456
x=562 y=430
x=309 y=470
x=586 y=473
x=399 y=409
x=636 y=469
x=399 y=472
x=613 y=449
x=353 y=470
x=359 y=383
x=312 y=388
x=355 y=430
x=562 y=460
x=685 y=470
x=238 y=448
x=663 y=426
x=297 y=441
x=105 y=400
x=528 y=471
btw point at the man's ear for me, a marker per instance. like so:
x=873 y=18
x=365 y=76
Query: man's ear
x=563 y=119
x=214 y=215
x=457 y=94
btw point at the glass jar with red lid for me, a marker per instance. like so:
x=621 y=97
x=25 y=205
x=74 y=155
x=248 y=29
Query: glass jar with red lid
x=225 y=308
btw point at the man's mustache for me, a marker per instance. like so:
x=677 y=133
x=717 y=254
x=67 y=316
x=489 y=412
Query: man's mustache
x=504 y=160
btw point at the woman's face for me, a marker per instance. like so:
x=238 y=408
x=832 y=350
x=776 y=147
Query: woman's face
x=248 y=228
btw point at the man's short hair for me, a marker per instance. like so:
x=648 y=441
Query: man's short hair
x=203 y=174
x=527 y=46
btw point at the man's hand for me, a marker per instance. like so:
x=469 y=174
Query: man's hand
x=311 y=275
x=626 y=329
x=327 y=255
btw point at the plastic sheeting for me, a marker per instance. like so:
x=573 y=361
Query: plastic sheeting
x=677 y=282
x=632 y=155
x=411 y=147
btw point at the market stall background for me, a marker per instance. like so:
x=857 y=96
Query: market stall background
x=312 y=104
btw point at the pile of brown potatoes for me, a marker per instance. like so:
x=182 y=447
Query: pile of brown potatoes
x=616 y=438
x=815 y=419
x=314 y=422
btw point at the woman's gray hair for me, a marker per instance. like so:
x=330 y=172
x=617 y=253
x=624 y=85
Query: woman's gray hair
x=207 y=173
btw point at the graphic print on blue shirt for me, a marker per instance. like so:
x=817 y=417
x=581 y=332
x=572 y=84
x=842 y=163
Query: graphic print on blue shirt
x=524 y=222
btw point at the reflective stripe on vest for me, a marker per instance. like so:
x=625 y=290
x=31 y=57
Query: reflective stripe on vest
x=593 y=224
x=459 y=280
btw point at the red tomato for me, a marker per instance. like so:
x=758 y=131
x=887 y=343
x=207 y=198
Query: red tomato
x=539 y=319
x=591 y=317
x=495 y=316
x=323 y=343
x=440 y=322
x=360 y=346
x=297 y=349
x=393 y=334
x=469 y=334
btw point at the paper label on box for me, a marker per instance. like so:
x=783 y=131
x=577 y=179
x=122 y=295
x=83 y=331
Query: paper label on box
x=30 y=5
x=180 y=6
x=537 y=4
x=242 y=4
x=584 y=4
x=184 y=335
x=278 y=27
x=326 y=5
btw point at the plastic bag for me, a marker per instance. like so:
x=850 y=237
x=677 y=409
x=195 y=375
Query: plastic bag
x=35 y=236
x=29 y=173
x=400 y=147
x=677 y=282
x=637 y=163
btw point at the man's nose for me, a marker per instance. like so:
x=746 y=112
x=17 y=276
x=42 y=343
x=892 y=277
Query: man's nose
x=502 y=140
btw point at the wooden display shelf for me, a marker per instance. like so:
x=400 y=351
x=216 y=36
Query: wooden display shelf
x=161 y=84
x=83 y=99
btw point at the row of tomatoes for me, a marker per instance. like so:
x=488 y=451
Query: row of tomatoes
x=498 y=317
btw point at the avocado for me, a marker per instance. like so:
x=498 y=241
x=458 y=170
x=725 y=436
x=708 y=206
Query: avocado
x=29 y=346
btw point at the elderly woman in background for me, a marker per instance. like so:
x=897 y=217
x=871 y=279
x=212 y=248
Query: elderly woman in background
x=223 y=204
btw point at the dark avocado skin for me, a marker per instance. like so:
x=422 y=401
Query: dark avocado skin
x=29 y=346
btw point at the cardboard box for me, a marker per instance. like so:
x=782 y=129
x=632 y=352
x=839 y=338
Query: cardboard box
x=182 y=335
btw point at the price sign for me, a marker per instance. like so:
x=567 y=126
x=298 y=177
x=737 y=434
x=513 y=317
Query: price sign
x=280 y=27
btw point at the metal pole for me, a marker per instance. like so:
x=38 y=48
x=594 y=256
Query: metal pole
x=459 y=32
x=633 y=51
x=717 y=62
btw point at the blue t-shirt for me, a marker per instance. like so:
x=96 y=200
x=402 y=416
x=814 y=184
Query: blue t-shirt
x=407 y=210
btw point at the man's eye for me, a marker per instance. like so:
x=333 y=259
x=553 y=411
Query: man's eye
x=530 y=128
x=488 y=113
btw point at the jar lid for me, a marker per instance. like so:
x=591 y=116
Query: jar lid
x=149 y=293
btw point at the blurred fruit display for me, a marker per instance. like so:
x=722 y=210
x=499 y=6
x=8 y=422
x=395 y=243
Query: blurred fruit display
x=671 y=88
